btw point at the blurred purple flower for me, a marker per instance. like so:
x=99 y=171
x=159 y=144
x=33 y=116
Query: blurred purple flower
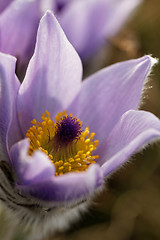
x=88 y=24
x=4 y=4
x=106 y=102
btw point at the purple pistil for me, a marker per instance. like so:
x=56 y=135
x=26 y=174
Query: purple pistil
x=68 y=129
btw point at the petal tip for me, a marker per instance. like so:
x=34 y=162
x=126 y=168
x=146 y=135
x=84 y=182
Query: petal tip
x=8 y=56
x=152 y=60
x=49 y=13
x=48 y=16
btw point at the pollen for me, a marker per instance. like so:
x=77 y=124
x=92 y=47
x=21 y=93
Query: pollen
x=68 y=147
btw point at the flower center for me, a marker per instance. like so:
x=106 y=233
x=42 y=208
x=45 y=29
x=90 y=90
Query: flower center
x=68 y=129
x=68 y=147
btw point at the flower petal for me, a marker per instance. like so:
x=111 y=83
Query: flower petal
x=54 y=74
x=107 y=16
x=9 y=85
x=30 y=169
x=68 y=188
x=119 y=12
x=4 y=4
x=80 y=31
x=36 y=177
x=18 y=27
x=106 y=95
x=134 y=130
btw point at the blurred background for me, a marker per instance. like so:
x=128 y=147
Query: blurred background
x=129 y=207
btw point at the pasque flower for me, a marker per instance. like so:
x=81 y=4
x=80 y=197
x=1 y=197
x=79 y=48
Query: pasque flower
x=61 y=137
x=88 y=24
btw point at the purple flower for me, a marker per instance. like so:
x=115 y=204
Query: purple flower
x=88 y=24
x=62 y=137
x=4 y=4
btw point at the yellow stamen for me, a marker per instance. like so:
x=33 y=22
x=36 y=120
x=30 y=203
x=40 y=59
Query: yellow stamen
x=68 y=151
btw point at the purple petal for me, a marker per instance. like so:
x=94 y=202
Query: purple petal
x=36 y=176
x=30 y=169
x=71 y=187
x=8 y=91
x=119 y=12
x=88 y=24
x=106 y=95
x=4 y=4
x=134 y=130
x=83 y=22
x=53 y=77
x=18 y=27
